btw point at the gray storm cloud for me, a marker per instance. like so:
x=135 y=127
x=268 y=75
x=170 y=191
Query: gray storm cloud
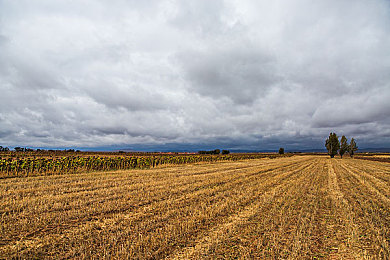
x=256 y=74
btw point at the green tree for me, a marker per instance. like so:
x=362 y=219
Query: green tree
x=332 y=144
x=343 y=146
x=352 y=147
x=281 y=150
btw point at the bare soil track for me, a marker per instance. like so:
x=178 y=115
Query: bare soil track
x=288 y=208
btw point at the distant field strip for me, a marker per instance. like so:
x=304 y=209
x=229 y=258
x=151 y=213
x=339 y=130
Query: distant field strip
x=290 y=207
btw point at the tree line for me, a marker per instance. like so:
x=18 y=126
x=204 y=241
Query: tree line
x=334 y=146
x=216 y=151
x=25 y=149
x=4 y=149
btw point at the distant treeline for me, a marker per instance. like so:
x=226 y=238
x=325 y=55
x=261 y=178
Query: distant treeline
x=4 y=149
x=216 y=151
x=25 y=149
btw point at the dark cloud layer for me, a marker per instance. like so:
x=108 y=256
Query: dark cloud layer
x=237 y=74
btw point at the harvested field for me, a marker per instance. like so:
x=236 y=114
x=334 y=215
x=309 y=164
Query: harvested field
x=291 y=207
x=375 y=158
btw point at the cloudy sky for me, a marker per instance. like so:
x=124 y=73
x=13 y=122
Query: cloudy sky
x=171 y=74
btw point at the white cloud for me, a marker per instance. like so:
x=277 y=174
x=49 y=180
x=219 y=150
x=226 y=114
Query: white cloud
x=239 y=73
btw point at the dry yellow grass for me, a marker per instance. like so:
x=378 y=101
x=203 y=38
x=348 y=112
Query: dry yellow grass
x=289 y=208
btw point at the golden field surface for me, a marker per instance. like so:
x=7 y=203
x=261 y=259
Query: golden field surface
x=287 y=208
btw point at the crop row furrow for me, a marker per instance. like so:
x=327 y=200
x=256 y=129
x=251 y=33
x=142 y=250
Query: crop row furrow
x=204 y=244
x=370 y=213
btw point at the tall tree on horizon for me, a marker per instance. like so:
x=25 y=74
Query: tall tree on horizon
x=352 y=147
x=343 y=146
x=332 y=144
